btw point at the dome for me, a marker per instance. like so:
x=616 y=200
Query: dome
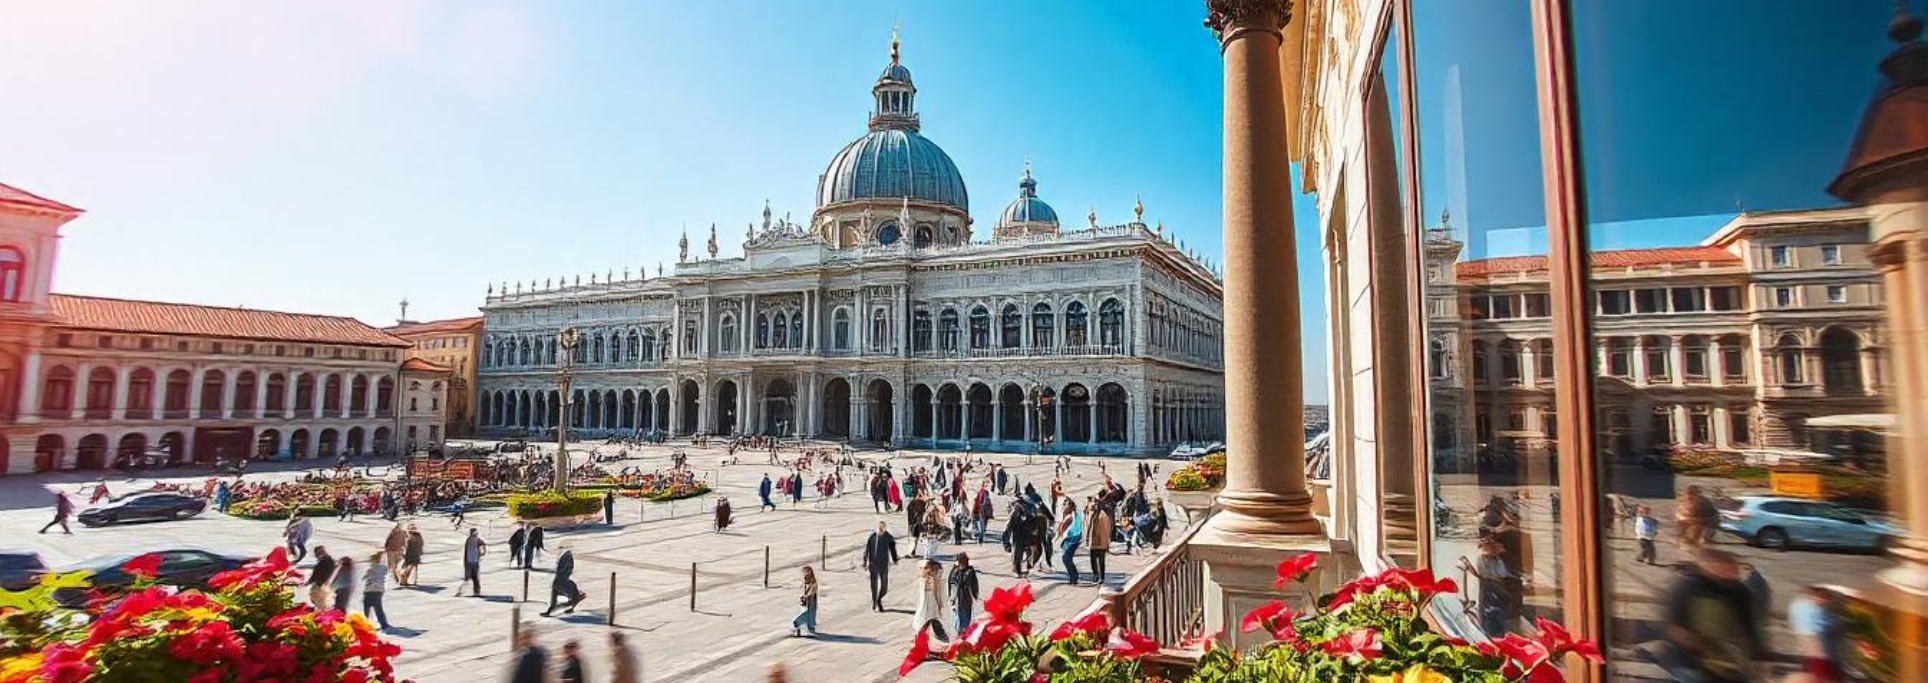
x=1027 y=208
x=893 y=164
x=895 y=72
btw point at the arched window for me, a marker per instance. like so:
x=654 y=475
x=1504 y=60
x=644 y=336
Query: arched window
x=1436 y=359
x=1077 y=323
x=642 y=346
x=1510 y=361
x=1693 y=350
x=980 y=328
x=13 y=275
x=1840 y=361
x=689 y=337
x=840 y=329
x=1111 y=323
x=57 y=392
x=596 y=349
x=1042 y=323
x=1479 y=361
x=1010 y=327
x=947 y=329
x=1788 y=354
x=889 y=234
x=796 y=330
x=920 y=331
x=524 y=349
x=879 y=329
x=727 y=342
x=762 y=330
x=779 y=331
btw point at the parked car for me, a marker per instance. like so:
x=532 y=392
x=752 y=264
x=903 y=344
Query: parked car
x=1782 y=523
x=1214 y=448
x=181 y=567
x=20 y=569
x=149 y=508
x=1186 y=451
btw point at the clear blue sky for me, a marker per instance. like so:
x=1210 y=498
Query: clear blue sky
x=337 y=156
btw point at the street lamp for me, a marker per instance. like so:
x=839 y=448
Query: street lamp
x=566 y=342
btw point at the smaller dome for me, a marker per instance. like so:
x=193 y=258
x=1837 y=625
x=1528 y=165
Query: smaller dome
x=895 y=72
x=1028 y=209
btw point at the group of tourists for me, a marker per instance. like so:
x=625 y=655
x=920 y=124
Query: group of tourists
x=332 y=580
x=530 y=663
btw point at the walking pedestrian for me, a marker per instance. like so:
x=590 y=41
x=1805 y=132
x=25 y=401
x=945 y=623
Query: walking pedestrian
x=1711 y=621
x=318 y=578
x=930 y=600
x=1098 y=527
x=374 y=584
x=572 y=671
x=298 y=532
x=343 y=583
x=1496 y=582
x=1811 y=616
x=344 y=511
x=609 y=507
x=981 y=511
x=563 y=584
x=880 y=552
x=63 y=508
x=532 y=546
x=411 y=557
x=1645 y=530
x=392 y=548
x=472 y=551
x=807 y=617
x=516 y=540
x=1070 y=536
x=763 y=493
x=963 y=585
x=624 y=667
x=529 y=664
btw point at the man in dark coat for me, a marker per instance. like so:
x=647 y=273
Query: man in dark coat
x=1001 y=478
x=533 y=546
x=763 y=493
x=563 y=586
x=529 y=663
x=914 y=512
x=609 y=506
x=880 y=552
x=1018 y=535
x=516 y=541
x=963 y=584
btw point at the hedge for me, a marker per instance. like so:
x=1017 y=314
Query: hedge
x=551 y=504
x=279 y=512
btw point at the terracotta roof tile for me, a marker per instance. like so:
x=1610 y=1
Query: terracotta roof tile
x=435 y=326
x=420 y=365
x=1618 y=258
x=155 y=317
x=13 y=195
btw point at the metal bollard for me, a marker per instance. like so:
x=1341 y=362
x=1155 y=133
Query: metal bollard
x=766 y=566
x=515 y=625
x=823 y=555
x=692 y=586
x=612 y=599
x=525 y=584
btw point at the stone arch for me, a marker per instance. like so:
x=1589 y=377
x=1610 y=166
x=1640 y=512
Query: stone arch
x=355 y=444
x=878 y=394
x=836 y=408
x=725 y=398
x=981 y=414
x=779 y=409
x=48 y=452
x=267 y=444
x=1077 y=413
x=91 y=452
x=691 y=406
x=1114 y=414
x=129 y=450
x=921 y=398
x=950 y=411
x=1010 y=411
x=1840 y=350
x=298 y=443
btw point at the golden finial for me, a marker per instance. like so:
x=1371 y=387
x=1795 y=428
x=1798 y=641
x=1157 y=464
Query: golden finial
x=1138 y=209
x=893 y=40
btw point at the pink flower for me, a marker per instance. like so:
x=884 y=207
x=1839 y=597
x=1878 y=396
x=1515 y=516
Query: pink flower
x=1362 y=644
x=1264 y=616
x=1295 y=569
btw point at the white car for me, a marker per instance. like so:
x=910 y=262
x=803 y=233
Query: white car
x=1186 y=451
x=1780 y=523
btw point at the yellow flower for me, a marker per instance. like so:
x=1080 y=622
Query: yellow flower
x=1418 y=673
x=24 y=667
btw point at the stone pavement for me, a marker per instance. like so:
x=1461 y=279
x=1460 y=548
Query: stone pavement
x=739 y=626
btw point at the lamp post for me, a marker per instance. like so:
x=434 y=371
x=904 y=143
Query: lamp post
x=566 y=342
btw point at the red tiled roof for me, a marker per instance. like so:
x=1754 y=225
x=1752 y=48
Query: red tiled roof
x=155 y=317
x=420 y=365
x=1619 y=258
x=13 y=195
x=435 y=326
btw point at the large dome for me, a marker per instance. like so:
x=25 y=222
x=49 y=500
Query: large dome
x=893 y=164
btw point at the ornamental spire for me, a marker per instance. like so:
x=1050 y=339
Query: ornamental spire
x=894 y=43
x=712 y=244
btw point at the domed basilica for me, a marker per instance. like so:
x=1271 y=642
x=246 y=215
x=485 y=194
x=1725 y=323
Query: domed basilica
x=885 y=319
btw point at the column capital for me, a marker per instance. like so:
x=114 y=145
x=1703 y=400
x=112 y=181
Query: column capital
x=1230 y=19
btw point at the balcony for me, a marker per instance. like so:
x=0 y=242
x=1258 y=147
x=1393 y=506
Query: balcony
x=1087 y=350
x=57 y=413
x=140 y=413
x=210 y=413
x=99 y=413
x=175 y=414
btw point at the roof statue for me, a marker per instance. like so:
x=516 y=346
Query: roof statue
x=491 y=291
x=592 y=278
x=625 y=273
x=683 y=246
x=712 y=245
x=1093 y=216
x=659 y=269
x=766 y=214
x=1138 y=212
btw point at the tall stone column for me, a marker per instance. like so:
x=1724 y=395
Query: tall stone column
x=121 y=380
x=82 y=390
x=1265 y=509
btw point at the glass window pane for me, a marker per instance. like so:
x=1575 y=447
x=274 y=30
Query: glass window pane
x=1711 y=186
x=1479 y=185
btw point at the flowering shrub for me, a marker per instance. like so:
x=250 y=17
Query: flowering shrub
x=245 y=627
x=552 y=504
x=271 y=509
x=1369 y=631
x=1206 y=474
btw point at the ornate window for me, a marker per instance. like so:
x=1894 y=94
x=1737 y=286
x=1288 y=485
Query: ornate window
x=889 y=234
x=762 y=330
x=642 y=346
x=780 y=331
x=727 y=340
x=596 y=349
x=1111 y=323
x=920 y=331
x=689 y=337
x=1789 y=355
x=1010 y=327
x=1077 y=324
x=1840 y=361
x=1042 y=324
x=796 y=330
x=840 y=329
x=980 y=328
x=947 y=329
x=879 y=329
x=13 y=274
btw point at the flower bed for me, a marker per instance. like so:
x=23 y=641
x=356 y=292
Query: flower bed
x=1369 y=631
x=551 y=504
x=1207 y=474
x=268 y=509
x=245 y=627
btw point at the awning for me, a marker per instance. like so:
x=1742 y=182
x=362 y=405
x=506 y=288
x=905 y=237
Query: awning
x=1877 y=421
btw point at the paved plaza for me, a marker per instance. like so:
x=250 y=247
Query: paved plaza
x=739 y=626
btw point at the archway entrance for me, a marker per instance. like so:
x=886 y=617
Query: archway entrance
x=382 y=438
x=92 y=453
x=1114 y=410
x=48 y=451
x=981 y=414
x=1011 y=412
x=130 y=449
x=267 y=443
x=1044 y=415
x=779 y=407
x=725 y=423
x=950 y=412
x=662 y=409
x=298 y=443
x=355 y=441
x=176 y=446
x=1077 y=414
x=879 y=397
x=836 y=408
x=920 y=412
x=1840 y=362
x=690 y=403
x=326 y=446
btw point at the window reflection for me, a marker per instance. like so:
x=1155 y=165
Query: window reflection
x=1486 y=313
x=1737 y=321
x=1390 y=241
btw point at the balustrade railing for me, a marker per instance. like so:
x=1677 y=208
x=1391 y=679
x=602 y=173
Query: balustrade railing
x=1165 y=600
x=1024 y=352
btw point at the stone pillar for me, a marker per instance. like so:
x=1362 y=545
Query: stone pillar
x=1870 y=371
x=704 y=344
x=81 y=388
x=1677 y=360
x=121 y=380
x=229 y=380
x=30 y=384
x=1030 y=422
x=997 y=418
x=1057 y=420
x=1639 y=361
x=1265 y=509
x=261 y=399
x=194 y=380
x=1716 y=370
x=860 y=320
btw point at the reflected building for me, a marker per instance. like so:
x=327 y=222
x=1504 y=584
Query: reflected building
x=881 y=318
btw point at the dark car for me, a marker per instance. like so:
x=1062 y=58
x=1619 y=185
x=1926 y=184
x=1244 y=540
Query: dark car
x=147 y=508
x=20 y=570
x=184 y=568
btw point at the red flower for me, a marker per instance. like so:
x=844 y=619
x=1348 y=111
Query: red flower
x=65 y=664
x=1093 y=624
x=986 y=635
x=1419 y=581
x=1523 y=653
x=1295 y=569
x=1206 y=643
x=1351 y=590
x=1006 y=605
x=1487 y=648
x=1557 y=641
x=274 y=566
x=1362 y=644
x=1127 y=644
x=143 y=566
x=920 y=650
x=1265 y=615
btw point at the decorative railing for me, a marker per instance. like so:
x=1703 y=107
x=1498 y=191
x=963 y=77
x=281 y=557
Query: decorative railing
x=1026 y=352
x=1165 y=600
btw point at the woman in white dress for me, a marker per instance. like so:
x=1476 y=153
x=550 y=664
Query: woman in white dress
x=930 y=600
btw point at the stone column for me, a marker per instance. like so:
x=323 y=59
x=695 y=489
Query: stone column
x=261 y=398
x=194 y=380
x=1677 y=359
x=1030 y=422
x=1716 y=370
x=121 y=380
x=1265 y=509
x=29 y=411
x=229 y=382
x=81 y=388
x=1639 y=361
x=997 y=418
x=860 y=321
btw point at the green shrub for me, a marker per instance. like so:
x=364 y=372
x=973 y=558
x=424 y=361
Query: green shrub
x=277 y=511
x=551 y=504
